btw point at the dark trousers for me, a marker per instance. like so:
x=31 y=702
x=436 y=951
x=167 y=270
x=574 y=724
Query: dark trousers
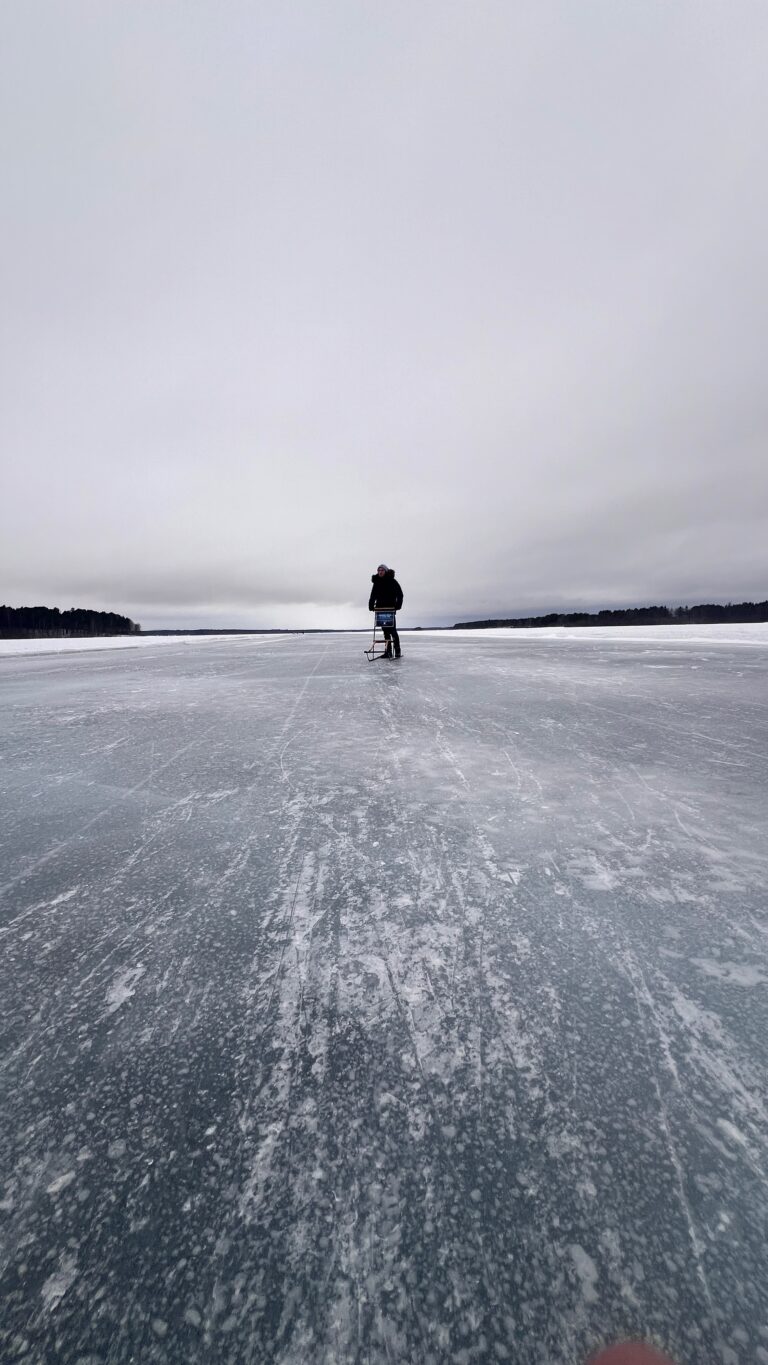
x=392 y=638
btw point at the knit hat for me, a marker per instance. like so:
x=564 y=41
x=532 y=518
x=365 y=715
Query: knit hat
x=385 y=567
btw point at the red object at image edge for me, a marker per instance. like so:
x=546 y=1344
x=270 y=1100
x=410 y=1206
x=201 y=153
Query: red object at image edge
x=630 y=1353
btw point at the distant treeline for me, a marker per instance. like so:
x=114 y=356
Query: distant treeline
x=707 y=613
x=21 y=623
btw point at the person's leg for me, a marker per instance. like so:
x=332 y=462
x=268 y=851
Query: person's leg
x=388 y=641
x=395 y=641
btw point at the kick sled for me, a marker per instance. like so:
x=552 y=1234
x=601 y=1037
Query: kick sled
x=378 y=646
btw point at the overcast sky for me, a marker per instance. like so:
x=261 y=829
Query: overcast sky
x=477 y=289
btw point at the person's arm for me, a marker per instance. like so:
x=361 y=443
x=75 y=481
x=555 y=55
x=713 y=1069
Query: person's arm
x=399 y=598
x=372 y=598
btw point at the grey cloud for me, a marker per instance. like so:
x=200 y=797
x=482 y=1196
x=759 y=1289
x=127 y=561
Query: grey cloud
x=289 y=292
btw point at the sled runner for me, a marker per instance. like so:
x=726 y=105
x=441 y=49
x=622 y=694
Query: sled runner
x=378 y=647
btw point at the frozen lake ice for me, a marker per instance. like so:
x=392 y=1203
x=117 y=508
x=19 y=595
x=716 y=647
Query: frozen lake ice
x=385 y=1012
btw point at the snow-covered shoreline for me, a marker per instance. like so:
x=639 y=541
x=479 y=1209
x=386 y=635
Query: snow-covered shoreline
x=64 y=645
x=749 y=633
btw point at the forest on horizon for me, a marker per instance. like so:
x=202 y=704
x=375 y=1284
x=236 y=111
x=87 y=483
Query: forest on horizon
x=706 y=613
x=34 y=623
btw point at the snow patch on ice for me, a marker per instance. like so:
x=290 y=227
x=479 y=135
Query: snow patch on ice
x=56 y=1186
x=586 y=1271
x=124 y=986
x=58 y=1284
x=732 y=1132
x=593 y=874
x=734 y=973
x=62 y=899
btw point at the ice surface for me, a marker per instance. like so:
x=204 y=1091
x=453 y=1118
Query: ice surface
x=385 y=1012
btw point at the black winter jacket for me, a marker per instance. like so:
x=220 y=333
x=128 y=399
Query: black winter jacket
x=386 y=593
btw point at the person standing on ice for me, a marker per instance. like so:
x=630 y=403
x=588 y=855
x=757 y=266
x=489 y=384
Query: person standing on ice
x=387 y=595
